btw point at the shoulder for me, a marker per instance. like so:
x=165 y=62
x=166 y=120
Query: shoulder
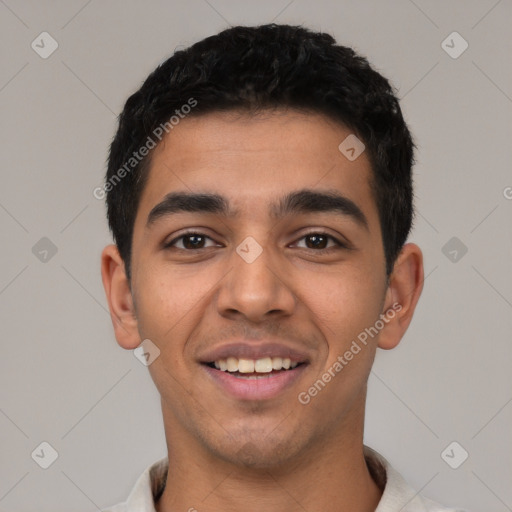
x=397 y=493
x=147 y=489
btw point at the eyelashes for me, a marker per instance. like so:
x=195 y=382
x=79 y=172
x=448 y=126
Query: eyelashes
x=191 y=235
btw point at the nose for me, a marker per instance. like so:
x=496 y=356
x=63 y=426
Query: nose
x=255 y=288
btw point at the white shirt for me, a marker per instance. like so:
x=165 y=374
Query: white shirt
x=398 y=496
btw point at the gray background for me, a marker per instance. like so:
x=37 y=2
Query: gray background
x=64 y=379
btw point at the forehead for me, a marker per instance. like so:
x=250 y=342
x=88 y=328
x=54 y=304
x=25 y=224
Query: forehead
x=252 y=159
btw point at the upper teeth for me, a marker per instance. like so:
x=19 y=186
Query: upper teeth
x=264 y=365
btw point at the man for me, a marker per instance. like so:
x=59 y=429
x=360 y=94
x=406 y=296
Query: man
x=259 y=193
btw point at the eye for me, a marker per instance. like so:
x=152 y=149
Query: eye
x=318 y=241
x=189 y=241
x=195 y=241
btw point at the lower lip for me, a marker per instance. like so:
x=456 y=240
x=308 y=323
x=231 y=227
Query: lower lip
x=255 y=389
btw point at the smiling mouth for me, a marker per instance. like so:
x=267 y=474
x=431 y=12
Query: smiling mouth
x=264 y=378
x=254 y=368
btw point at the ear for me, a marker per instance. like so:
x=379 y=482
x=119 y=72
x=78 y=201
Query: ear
x=404 y=290
x=119 y=297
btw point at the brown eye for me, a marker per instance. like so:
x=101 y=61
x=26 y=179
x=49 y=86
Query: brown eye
x=193 y=241
x=189 y=241
x=319 y=241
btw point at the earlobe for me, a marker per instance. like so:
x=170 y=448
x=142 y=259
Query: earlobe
x=119 y=297
x=404 y=290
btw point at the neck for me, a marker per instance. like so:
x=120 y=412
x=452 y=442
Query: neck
x=331 y=471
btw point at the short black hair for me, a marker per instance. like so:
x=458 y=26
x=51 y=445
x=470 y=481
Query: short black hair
x=257 y=68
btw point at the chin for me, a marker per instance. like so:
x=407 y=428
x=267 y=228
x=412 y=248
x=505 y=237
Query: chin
x=259 y=452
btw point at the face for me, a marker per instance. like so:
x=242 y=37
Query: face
x=278 y=263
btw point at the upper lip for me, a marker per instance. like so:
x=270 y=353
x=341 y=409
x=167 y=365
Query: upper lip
x=254 y=350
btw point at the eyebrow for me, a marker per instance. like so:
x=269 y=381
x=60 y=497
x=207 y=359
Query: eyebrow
x=301 y=201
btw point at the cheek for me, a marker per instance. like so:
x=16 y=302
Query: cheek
x=166 y=302
x=168 y=310
x=342 y=307
x=343 y=302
